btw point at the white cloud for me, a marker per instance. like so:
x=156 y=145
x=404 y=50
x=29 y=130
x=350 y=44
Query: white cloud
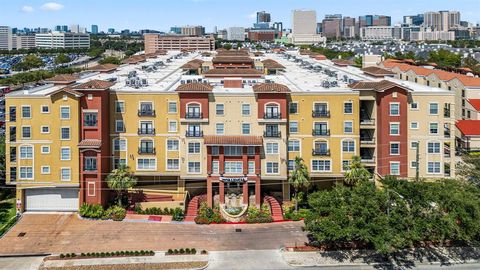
x=52 y=6
x=27 y=9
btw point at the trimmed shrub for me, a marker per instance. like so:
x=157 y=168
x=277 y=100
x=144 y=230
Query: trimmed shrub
x=91 y=210
x=175 y=251
x=67 y=255
x=116 y=213
x=193 y=251
x=83 y=254
x=102 y=254
x=170 y=251
x=203 y=252
x=137 y=253
x=182 y=251
x=187 y=250
x=62 y=256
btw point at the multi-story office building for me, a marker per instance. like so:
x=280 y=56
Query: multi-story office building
x=374 y=20
x=348 y=27
x=94 y=29
x=442 y=20
x=332 y=26
x=413 y=20
x=219 y=123
x=158 y=42
x=236 y=33
x=24 y=41
x=63 y=40
x=196 y=31
x=304 y=28
x=6 y=38
x=376 y=33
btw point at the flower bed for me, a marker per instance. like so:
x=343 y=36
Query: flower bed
x=181 y=251
x=90 y=255
x=96 y=211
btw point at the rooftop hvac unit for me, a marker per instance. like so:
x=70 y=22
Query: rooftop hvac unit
x=182 y=82
x=144 y=82
x=113 y=79
x=325 y=84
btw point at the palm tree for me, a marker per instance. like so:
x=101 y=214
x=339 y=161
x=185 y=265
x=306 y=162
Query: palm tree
x=299 y=178
x=356 y=172
x=121 y=180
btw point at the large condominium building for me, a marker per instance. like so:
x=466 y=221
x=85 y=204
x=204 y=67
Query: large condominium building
x=64 y=40
x=304 y=28
x=219 y=123
x=6 y=38
x=157 y=42
x=197 y=31
x=442 y=20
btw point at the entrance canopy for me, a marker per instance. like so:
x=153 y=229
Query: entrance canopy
x=233 y=140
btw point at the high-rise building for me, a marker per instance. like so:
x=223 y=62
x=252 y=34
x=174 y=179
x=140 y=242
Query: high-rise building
x=374 y=20
x=64 y=28
x=332 y=26
x=176 y=30
x=111 y=30
x=236 y=33
x=415 y=20
x=94 y=29
x=6 y=38
x=304 y=28
x=442 y=20
x=196 y=31
x=263 y=17
x=58 y=28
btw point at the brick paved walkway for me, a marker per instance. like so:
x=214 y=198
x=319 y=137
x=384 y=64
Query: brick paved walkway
x=61 y=233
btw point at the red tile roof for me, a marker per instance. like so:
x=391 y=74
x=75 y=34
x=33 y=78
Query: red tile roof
x=67 y=90
x=135 y=59
x=475 y=103
x=469 y=127
x=90 y=143
x=193 y=64
x=270 y=88
x=240 y=72
x=376 y=71
x=377 y=86
x=342 y=62
x=94 y=84
x=103 y=68
x=232 y=59
x=272 y=64
x=194 y=87
x=63 y=78
x=233 y=140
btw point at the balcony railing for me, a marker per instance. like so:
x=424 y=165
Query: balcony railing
x=90 y=168
x=146 y=131
x=90 y=123
x=190 y=133
x=321 y=132
x=367 y=121
x=146 y=150
x=272 y=116
x=319 y=152
x=272 y=134
x=367 y=159
x=146 y=112
x=367 y=140
x=194 y=115
x=321 y=114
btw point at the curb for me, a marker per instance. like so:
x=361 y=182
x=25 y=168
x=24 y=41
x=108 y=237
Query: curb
x=24 y=255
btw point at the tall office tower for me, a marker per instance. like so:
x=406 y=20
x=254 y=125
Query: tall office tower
x=64 y=28
x=348 y=30
x=197 y=31
x=58 y=28
x=332 y=26
x=374 y=20
x=94 y=29
x=263 y=17
x=111 y=30
x=236 y=33
x=6 y=38
x=442 y=21
x=304 y=27
x=415 y=20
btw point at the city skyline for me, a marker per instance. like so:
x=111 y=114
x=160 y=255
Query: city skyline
x=215 y=13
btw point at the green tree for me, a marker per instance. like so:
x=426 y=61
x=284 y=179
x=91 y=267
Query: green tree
x=444 y=58
x=471 y=63
x=469 y=168
x=110 y=60
x=299 y=179
x=356 y=172
x=29 y=62
x=120 y=180
x=62 y=59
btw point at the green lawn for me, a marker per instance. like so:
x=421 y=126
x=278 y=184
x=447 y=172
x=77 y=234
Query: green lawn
x=7 y=212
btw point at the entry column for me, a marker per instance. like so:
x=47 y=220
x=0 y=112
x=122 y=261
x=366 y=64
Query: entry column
x=245 y=192
x=258 y=196
x=221 y=187
x=209 y=192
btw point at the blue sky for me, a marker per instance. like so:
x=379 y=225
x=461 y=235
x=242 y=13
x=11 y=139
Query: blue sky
x=161 y=14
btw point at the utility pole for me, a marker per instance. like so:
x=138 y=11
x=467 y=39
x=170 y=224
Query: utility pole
x=417 y=157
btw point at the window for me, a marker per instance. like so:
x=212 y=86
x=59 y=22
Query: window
x=233 y=167
x=433 y=147
x=172 y=145
x=117 y=162
x=90 y=164
x=45 y=129
x=90 y=119
x=433 y=128
x=346 y=165
x=220 y=109
x=45 y=109
x=232 y=150
x=119 y=126
x=245 y=128
x=65 y=153
x=26 y=152
x=348 y=146
x=320 y=148
x=220 y=129
x=291 y=165
x=119 y=106
x=413 y=164
x=119 y=145
x=13 y=154
x=394 y=129
x=90 y=97
x=13 y=174
x=251 y=167
x=45 y=169
x=394 y=168
x=413 y=145
x=215 y=151
x=45 y=149
x=321 y=165
x=64 y=112
x=272 y=167
x=320 y=109
x=348 y=107
x=414 y=106
x=13 y=133
x=194 y=167
x=65 y=174
x=272 y=148
x=65 y=133
x=293 y=109
x=293 y=146
x=26 y=132
x=433 y=108
x=146 y=164
x=433 y=167
x=172 y=107
x=13 y=113
x=26 y=172
x=394 y=148
x=26 y=112
x=394 y=109
x=414 y=125
x=293 y=127
x=146 y=146
x=245 y=109
x=348 y=127
x=215 y=166
x=172 y=126
x=173 y=164
x=193 y=147
x=146 y=108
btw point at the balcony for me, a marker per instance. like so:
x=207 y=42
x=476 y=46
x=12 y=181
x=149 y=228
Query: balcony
x=90 y=123
x=90 y=168
x=367 y=159
x=146 y=112
x=146 y=150
x=272 y=116
x=367 y=140
x=321 y=152
x=321 y=114
x=197 y=134
x=146 y=131
x=193 y=115
x=321 y=132
x=367 y=122
x=272 y=134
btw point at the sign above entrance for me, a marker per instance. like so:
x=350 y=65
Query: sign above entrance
x=233 y=179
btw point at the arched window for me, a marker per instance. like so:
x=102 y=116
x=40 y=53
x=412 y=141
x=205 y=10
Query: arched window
x=194 y=111
x=272 y=111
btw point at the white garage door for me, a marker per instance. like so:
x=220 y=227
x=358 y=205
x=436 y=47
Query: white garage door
x=51 y=199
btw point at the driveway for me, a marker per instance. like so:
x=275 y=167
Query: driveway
x=62 y=233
